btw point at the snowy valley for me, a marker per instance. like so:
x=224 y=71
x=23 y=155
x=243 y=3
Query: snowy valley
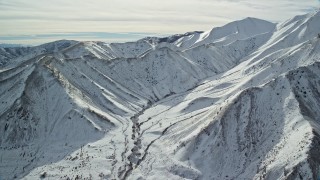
x=241 y=101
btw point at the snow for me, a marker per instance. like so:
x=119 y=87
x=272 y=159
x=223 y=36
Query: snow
x=236 y=102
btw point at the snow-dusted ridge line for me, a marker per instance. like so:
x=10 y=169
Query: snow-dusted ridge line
x=237 y=102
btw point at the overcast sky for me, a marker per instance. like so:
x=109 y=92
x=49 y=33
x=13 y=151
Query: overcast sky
x=39 y=21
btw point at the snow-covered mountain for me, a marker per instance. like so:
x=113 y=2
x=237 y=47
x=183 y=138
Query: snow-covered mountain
x=240 y=101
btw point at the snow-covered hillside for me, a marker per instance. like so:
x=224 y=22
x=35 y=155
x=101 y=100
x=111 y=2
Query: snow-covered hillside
x=240 y=101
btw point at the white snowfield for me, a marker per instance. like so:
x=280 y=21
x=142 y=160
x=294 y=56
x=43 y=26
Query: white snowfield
x=241 y=101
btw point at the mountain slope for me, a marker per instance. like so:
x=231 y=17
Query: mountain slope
x=237 y=102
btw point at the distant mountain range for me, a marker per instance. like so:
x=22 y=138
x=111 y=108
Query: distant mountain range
x=241 y=101
x=3 y=45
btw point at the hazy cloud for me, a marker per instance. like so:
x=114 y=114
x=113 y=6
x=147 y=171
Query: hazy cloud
x=34 y=17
